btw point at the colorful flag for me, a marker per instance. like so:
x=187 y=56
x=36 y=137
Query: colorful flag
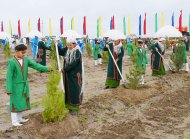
x=162 y=19
x=19 y=29
x=50 y=27
x=84 y=26
x=140 y=25
x=100 y=26
x=173 y=19
x=2 y=29
x=180 y=21
x=10 y=28
x=39 y=28
x=189 y=24
x=113 y=22
x=124 y=26
x=97 y=28
x=128 y=26
x=29 y=29
x=156 y=22
x=144 y=26
x=61 y=25
x=72 y=23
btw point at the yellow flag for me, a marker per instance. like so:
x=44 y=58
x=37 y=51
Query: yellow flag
x=100 y=26
x=72 y=23
x=29 y=26
x=50 y=27
x=10 y=28
x=128 y=26
x=162 y=19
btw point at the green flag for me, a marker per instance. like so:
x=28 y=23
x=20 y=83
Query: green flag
x=98 y=28
x=189 y=24
x=124 y=26
x=156 y=22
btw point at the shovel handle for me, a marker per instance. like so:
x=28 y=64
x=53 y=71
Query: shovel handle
x=116 y=65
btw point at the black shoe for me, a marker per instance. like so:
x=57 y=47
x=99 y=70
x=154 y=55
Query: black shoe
x=73 y=112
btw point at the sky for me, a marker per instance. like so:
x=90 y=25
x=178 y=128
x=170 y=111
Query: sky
x=92 y=9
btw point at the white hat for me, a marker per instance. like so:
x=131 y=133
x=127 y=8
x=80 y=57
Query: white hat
x=162 y=39
x=71 y=40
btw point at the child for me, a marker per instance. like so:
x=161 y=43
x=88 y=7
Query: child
x=17 y=84
x=141 y=60
x=96 y=52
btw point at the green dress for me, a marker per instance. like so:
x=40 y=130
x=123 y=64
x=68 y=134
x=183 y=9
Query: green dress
x=17 y=83
x=72 y=77
x=41 y=55
x=141 y=59
x=113 y=77
x=157 y=65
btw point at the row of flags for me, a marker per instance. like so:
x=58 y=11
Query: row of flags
x=126 y=29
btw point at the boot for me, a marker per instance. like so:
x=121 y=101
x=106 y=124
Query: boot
x=14 y=119
x=95 y=62
x=141 y=81
x=21 y=120
x=187 y=67
x=100 y=61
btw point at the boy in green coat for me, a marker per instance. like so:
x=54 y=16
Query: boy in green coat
x=141 y=59
x=96 y=53
x=17 y=86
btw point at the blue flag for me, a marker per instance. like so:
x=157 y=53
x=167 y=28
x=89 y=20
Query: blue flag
x=173 y=19
x=140 y=25
x=111 y=24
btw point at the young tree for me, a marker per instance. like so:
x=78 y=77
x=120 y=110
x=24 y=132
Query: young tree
x=53 y=101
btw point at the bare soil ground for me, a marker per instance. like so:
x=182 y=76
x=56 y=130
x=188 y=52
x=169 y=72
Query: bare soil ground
x=159 y=109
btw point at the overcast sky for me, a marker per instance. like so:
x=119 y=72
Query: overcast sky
x=92 y=9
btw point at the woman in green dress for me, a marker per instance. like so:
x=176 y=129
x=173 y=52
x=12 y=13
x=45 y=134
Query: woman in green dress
x=113 y=76
x=157 y=64
x=72 y=75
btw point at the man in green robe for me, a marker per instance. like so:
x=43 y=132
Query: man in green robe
x=141 y=59
x=72 y=75
x=41 y=54
x=157 y=64
x=96 y=53
x=129 y=48
x=113 y=77
x=17 y=83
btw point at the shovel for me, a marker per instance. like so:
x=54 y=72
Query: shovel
x=124 y=82
x=59 y=66
x=172 y=70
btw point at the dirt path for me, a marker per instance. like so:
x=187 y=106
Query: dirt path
x=160 y=109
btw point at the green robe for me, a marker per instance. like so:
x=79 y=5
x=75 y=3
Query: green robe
x=129 y=49
x=141 y=59
x=17 y=83
x=96 y=51
x=41 y=55
x=113 y=77
x=72 y=77
x=157 y=65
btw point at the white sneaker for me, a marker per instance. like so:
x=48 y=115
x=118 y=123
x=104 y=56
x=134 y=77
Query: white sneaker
x=17 y=124
x=22 y=120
